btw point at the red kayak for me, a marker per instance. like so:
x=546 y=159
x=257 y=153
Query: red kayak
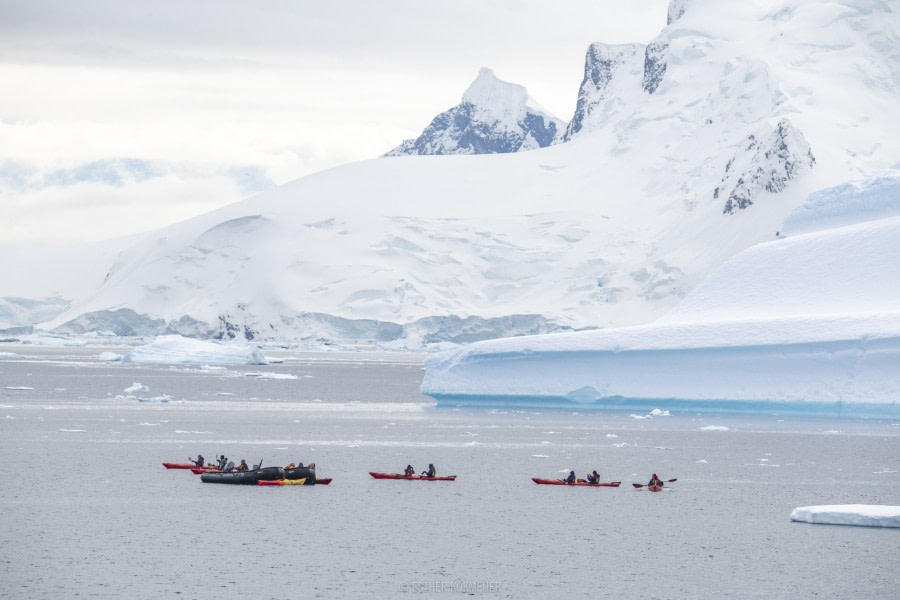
x=323 y=481
x=411 y=478
x=202 y=470
x=190 y=466
x=655 y=488
x=582 y=484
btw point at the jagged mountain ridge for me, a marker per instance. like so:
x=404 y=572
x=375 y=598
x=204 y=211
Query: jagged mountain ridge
x=494 y=117
x=612 y=227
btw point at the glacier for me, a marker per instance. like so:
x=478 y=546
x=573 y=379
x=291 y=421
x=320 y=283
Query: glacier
x=809 y=322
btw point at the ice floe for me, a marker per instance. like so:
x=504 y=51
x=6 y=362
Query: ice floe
x=867 y=515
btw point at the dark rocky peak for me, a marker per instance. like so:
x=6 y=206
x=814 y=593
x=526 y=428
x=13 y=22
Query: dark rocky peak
x=601 y=64
x=764 y=162
x=494 y=117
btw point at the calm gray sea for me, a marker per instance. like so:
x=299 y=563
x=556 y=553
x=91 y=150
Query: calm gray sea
x=87 y=510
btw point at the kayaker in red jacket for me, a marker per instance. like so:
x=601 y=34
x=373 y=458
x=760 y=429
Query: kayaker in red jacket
x=655 y=481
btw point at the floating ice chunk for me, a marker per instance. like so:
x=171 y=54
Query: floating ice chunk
x=272 y=360
x=715 y=428
x=109 y=357
x=224 y=393
x=540 y=456
x=174 y=349
x=640 y=416
x=73 y=430
x=18 y=387
x=10 y=355
x=157 y=399
x=136 y=388
x=659 y=413
x=867 y=515
x=701 y=462
x=145 y=424
x=263 y=375
x=611 y=435
x=193 y=432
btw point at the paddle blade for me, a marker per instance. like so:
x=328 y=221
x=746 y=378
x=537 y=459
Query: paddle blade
x=637 y=486
x=672 y=480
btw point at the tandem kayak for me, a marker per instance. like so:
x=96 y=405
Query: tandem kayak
x=283 y=482
x=411 y=478
x=244 y=477
x=582 y=484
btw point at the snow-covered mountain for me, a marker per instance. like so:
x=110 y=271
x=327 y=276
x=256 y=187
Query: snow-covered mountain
x=759 y=104
x=807 y=322
x=494 y=117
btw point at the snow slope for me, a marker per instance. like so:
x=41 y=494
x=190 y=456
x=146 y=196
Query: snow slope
x=807 y=322
x=671 y=172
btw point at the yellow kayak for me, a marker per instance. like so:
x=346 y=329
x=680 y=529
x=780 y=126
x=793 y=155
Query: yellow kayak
x=284 y=482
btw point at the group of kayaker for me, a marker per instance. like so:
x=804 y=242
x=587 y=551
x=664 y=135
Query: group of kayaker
x=594 y=477
x=430 y=472
x=299 y=465
x=221 y=463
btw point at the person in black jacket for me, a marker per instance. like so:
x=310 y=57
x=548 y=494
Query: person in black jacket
x=570 y=478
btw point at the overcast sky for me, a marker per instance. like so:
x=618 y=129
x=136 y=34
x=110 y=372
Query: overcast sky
x=121 y=116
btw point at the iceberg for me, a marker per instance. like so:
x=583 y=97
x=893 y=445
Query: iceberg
x=177 y=350
x=806 y=323
x=864 y=515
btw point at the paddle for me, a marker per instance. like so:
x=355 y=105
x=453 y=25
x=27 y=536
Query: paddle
x=638 y=486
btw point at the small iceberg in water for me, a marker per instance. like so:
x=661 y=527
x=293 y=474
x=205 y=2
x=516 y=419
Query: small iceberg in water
x=864 y=515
